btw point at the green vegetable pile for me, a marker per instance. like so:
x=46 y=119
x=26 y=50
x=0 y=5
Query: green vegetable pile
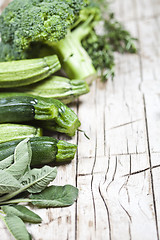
x=21 y=184
x=67 y=28
x=49 y=51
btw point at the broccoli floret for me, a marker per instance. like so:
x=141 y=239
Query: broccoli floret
x=27 y=21
x=51 y=22
x=8 y=53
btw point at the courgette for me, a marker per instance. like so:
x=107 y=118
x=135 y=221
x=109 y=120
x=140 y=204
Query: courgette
x=10 y=132
x=24 y=72
x=44 y=150
x=56 y=87
x=21 y=107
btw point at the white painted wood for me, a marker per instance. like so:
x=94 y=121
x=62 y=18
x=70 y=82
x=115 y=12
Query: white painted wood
x=117 y=171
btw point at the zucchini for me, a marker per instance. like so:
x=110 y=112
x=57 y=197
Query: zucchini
x=10 y=132
x=24 y=72
x=44 y=150
x=17 y=109
x=56 y=87
x=49 y=113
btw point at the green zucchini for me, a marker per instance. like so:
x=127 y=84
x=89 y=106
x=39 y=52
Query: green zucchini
x=45 y=150
x=21 y=107
x=9 y=132
x=17 y=109
x=56 y=87
x=25 y=72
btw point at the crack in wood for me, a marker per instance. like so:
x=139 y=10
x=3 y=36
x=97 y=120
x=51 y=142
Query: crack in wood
x=125 y=210
x=108 y=165
x=76 y=181
x=108 y=214
x=137 y=172
x=119 y=154
x=141 y=171
x=132 y=153
x=92 y=174
x=126 y=175
x=103 y=199
x=128 y=154
x=112 y=176
x=150 y=168
x=124 y=124
x=104 y=124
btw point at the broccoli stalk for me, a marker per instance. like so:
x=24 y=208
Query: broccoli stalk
x=74 y=58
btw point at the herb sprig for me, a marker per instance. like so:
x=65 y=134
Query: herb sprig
x=114 y=38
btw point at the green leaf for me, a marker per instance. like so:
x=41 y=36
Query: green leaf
x=33 y=181
x=17 y=227
x=22 y=159
x=8 y=183
x=37 y=180
x=6 y=162
x=55 y=196
x=22 y=212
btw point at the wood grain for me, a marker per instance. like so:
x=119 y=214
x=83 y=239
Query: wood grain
x=117 y=171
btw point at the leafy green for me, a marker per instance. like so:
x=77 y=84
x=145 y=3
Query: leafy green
x=22 y=212
x=55 y=196
x=35 y=182
x=8 y=183
x=5 y=163
x=22 y=159
x=17 y=227
x=37 y=179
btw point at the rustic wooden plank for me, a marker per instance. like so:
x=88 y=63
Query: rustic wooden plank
x=125 y=95
x=119 y=207
x=147 y=9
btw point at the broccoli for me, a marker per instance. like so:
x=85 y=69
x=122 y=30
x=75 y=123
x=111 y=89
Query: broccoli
x=61 y=24
x=37 y=28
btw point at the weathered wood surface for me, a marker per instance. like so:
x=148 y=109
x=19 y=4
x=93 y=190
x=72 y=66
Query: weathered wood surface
x=118 y=170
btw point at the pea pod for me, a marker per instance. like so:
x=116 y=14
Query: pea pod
x=44 y=150
x=25 y=72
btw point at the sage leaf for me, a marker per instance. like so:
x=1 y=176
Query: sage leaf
x=21 y=211
x=8 y=183
x=37 y=180
x=17 y=227
x=22 y=159
x=55 y=196
x=6 y=162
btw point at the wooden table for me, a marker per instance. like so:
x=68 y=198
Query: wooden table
x=117 y=171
